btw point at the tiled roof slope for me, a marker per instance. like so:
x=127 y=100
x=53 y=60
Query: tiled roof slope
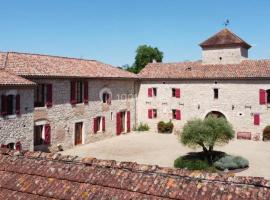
x=224 y=38
x=3 y=57
x=36 y=175
x=9 y=79
x=54 y=66
x=247 y=69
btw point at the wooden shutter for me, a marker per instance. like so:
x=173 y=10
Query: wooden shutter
x=118 y=123
x=85 y=92
x=72 y=92
x=47 y=139
x=150 y=113
x=95 y=125
x=18 y=146
x=177 y=93
x=49 y=95
x=262 y=95
x=150 y=92
x=128 y=121
x=18 y=104
x=103 y=124
x=3 y=146
x=256 y=119
x=4 y=105
x=178 y=114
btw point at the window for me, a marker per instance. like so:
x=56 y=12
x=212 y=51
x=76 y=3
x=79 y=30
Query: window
x=99 y=124
x=10 y=105
x=39 y=95
x=215 y=93
x=79 y=91
x=99 y=119
x=154 y=113
x=38 y=136
x=268 y=96
x=173 y=92
x=174 y=114
x=106 y=98
x=11 y=146
x=176 y=92
x=154 y=92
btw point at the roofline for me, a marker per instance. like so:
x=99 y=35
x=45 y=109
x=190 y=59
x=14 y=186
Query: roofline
x=73 y=77
x=214 y=78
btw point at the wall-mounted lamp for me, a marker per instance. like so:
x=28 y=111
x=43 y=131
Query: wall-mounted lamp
x=199 y=106
x=233 y=107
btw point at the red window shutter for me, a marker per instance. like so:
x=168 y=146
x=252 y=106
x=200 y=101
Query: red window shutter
x=128 y=121
x=262 y=96
x=150 y=92
x=178 y=114
x=18 y=146
x=85 y=95
x=47 y=139
x=3 y=146
x=103 y=124
x=95 y=125
x=72 y=93
x=150 y=113
x=256 y=119
x=177 y=93
x=49 y=95
x=4 y=105
x=118 y=123
x=18 y=104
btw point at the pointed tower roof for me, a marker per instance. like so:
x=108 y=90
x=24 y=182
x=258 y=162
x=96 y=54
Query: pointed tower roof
x=224 y=38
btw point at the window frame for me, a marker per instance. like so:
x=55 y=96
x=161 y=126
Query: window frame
x=174 y=113
x=154 y=113
x=173 y=92
x=268 y=96
x=105 y=99
x=79 y=92
x=11 y=106
x=154 y=91
x=41 y=137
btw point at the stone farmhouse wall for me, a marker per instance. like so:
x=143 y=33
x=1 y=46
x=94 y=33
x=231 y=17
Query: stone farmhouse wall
x=238 y=101
x=18 y=128
x=62 y=116
x=227 y=55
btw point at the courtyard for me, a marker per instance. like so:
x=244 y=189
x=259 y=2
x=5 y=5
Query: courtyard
x=163 y=149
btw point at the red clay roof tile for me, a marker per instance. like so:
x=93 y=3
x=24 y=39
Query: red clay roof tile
x=32 y=175
x=247 y=69
x=24 y=64
x=9 y=79
x=224 y=38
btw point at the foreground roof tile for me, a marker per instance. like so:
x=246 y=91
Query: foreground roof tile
x=29 y=175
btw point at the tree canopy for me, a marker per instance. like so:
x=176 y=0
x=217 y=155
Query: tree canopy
x=145 y=54
x=207 y=133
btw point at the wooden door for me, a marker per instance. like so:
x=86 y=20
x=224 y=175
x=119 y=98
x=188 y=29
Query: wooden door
x=78 y=133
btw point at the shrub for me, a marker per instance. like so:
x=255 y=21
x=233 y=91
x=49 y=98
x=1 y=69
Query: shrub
x=231 y=162
x=197 y=161
x=143 y=127
x=206 y=134
x=266 y=133
x=165 y=127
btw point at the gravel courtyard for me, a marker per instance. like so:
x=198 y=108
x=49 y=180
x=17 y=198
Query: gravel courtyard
x=163 y=149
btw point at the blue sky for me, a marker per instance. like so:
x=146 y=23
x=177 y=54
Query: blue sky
x=111 y=30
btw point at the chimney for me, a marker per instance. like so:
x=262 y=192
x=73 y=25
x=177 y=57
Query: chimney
x=154 y=61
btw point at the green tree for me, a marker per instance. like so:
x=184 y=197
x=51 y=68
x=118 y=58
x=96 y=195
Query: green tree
x=206 y=134
x=144 y=55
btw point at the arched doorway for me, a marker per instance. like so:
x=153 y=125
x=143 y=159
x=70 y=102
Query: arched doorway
x=216 y=114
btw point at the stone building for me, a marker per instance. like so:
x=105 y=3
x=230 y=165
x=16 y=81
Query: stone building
x=51 y=103
x=224 y=83
x=74 y=102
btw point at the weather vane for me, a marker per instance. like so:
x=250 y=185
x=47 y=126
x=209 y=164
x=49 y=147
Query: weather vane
x=226 y=23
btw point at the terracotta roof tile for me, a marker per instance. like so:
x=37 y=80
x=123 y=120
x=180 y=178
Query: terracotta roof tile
x=224 y=38
x=33 y=175
x=9 y=79
x=247 y=69
x=54 y=66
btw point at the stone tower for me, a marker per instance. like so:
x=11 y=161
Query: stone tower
x=224 y=48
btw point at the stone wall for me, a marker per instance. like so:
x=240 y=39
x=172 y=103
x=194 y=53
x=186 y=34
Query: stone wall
x=224 y=55
x=63 y=116
x=18 y=127
x=238 y=101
